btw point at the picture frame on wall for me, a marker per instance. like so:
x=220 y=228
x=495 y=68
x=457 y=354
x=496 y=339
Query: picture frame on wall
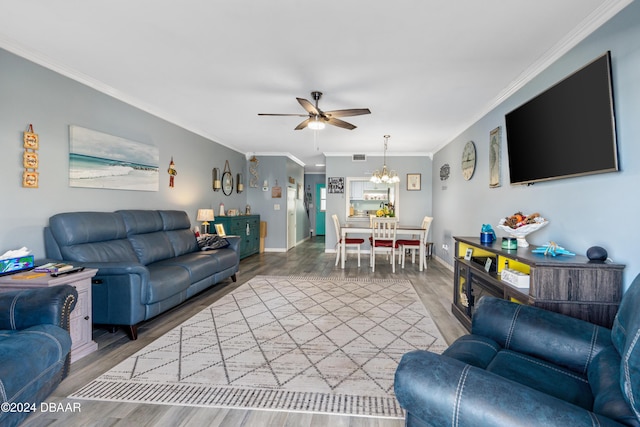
x=495 y=155
x=335 y=185
x=413 y=182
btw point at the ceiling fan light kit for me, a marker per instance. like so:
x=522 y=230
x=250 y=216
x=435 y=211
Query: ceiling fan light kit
x=385 y=176
x=317 y=119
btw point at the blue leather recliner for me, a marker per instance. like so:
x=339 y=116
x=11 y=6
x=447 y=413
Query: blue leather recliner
x=34 y=348
x=523 y=366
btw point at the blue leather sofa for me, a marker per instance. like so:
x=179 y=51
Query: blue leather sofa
x=523 y=366
x=148 y=261
x=34 y=348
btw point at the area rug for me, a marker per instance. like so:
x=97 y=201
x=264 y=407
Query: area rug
x=283 y=343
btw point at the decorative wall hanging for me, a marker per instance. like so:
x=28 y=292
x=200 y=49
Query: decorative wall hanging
x=253 y=170
x=276 y=191
x=99 y=160
x=240 y=183
x=227 y=179
x=31 y=140
x=30 y=179
x=217 y=183
x=413 y=182
x=335 y=185
x=30 y=161
x=172 y=172
x=495 y=156
x=444 y=172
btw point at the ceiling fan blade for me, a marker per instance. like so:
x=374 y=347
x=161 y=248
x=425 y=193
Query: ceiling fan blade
x=340 y=123
x=303 y=124
x=347 y=112
x=269 y=114
x=311 y=109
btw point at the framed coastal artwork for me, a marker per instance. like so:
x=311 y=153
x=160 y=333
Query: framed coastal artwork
x=100 y=160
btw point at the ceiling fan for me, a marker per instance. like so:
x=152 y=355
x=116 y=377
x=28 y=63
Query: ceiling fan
x=316 y=118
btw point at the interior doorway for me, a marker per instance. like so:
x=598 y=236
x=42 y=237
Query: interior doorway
x=321 y=208
x=291 y=218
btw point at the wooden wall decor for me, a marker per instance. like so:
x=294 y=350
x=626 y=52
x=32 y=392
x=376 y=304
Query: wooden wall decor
x=30 y=161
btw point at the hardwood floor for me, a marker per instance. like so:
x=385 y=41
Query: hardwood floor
x=434 y=287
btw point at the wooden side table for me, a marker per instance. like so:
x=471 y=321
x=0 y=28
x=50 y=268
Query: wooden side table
x=80 y=319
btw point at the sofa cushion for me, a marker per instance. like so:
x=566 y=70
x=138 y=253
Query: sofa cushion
x=151 y=247
x=474 y=350
x=111 y=251
x=543 y=376
x=182 y=241
x=604 y=373
x=22 y=374
x=74 y=228
x=174 y=220
x=165 y=281
x=91 y=237
x=141 y=221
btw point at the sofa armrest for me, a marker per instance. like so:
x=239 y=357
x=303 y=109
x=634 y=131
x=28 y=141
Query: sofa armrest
x=234 y=242
x=556 y=338
x=437 y=390
x=25 y=308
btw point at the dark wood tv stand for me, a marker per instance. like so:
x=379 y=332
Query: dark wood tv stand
x=570 y=285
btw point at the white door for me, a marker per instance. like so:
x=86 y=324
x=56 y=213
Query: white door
x=291 y=217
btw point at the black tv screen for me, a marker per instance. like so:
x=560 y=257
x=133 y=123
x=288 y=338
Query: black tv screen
x=568 y=130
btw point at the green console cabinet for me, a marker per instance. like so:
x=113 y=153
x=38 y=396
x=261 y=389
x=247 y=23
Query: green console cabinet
x=245 y=226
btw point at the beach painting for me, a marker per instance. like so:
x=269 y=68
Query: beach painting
x=99 y=160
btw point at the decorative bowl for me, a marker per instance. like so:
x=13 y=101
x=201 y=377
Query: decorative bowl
x=521 y=233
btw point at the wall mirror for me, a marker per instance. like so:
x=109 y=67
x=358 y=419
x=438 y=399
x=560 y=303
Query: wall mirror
x=227 y=183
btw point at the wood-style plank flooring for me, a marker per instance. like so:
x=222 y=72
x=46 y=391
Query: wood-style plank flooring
x=434 y=287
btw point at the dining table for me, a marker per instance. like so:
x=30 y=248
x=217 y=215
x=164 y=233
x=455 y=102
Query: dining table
x=402 y=229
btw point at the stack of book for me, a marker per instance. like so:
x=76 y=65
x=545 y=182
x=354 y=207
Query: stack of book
x=53 y=267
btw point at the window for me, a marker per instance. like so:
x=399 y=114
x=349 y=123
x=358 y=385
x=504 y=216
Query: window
x=323 y=199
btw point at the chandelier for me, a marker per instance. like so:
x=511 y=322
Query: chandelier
x=385 y=176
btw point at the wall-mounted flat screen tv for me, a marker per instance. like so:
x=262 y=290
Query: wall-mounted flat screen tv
x=568 y=130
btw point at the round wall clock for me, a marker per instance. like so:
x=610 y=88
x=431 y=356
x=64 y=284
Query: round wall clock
x=468 y=160
x=227 y=183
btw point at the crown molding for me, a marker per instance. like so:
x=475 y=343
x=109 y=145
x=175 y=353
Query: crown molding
x=591 y=23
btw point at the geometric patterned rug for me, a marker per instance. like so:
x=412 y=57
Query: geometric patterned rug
x=305 y=344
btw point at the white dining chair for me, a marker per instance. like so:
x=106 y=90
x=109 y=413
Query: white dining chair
x=383 y=240
x=413 y=245
x=348 y=242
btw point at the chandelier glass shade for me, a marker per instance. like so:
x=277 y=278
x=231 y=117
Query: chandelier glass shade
x=385 y=176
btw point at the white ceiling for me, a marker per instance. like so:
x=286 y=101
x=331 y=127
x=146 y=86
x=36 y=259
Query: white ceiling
x=427 y=69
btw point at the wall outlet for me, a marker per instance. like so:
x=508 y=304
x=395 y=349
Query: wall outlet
x=276 y=207
x=445 y=247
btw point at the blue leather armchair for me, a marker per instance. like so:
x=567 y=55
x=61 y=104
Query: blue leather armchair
x=34 y=347
x=523 y=366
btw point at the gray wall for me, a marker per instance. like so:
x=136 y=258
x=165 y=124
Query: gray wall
x=278 y=169
x=586 y=211
x=414 y=205
x=32 y=94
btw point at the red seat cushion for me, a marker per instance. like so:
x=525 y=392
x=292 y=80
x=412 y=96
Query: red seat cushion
x=385 y=243
x=408 y=242
x=350 y=241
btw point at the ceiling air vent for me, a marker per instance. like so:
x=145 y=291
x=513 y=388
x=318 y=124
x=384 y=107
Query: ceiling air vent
x=359 y=158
